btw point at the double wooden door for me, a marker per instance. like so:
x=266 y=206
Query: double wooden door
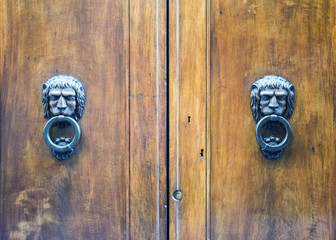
x=168 y=108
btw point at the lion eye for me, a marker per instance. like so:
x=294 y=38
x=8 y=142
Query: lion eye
x=264 y=98
x=70 y=98
x=54 y=97
x=281 y=98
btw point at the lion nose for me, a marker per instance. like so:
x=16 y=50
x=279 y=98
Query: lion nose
x=61 y=104
x=274 y=102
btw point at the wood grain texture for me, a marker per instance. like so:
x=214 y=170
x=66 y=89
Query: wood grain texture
x=187 y=110
x=148 y=120
x=87 y=196
x=84 y=197
x=294 y=196
x=114 y=187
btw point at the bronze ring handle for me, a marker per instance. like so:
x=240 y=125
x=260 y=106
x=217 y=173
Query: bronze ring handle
x=67 y=147
x=276 y=147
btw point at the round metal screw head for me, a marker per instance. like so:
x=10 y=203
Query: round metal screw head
x=177 y=195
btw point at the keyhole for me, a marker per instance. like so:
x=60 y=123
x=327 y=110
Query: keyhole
x=189 y=119
x=202 y=152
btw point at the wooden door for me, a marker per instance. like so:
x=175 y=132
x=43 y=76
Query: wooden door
x=217 y=49
x=114 y=186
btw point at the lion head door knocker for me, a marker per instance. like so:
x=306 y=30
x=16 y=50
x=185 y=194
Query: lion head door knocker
x=272 y=104
x=63 y=99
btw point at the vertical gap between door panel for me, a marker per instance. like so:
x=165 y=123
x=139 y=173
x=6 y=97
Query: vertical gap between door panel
x=128 y=89
x=167 y=120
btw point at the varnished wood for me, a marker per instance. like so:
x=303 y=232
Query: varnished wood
x=253 y=197
x=148 y=117
x=104 y=191
x=114 y=187
x=85 y=197
x=248 y=196
x=187 y=96
x=208 y=121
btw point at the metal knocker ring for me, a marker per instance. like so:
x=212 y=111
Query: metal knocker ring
x=57 y=148
x=273 y=97
x=273 y=147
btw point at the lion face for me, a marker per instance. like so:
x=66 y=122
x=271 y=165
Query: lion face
x=272 y=95
x=63 y=95
x=62 y=101
x=273 y=101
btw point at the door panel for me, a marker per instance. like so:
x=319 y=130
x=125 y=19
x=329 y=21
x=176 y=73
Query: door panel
x=114 y=185
x=187 y=116
x=249 y=196
x=43 y=198
x=148 y=117
x=253 y=197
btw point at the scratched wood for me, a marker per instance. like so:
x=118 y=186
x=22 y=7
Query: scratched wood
x=187 y=116
x=292 y=197
x=93 y=195
x=148 y=119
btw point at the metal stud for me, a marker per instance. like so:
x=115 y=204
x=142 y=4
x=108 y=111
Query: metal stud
x=177 y=195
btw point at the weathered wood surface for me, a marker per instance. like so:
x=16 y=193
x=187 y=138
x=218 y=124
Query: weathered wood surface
x=115 y=185
x=148 y=119
x=292 y=197
x=248 y=196
x=187 y=110
x=102 y=192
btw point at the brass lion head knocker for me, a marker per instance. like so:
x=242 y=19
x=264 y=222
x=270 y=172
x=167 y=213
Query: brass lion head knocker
x=63 y=99
x=272 y=104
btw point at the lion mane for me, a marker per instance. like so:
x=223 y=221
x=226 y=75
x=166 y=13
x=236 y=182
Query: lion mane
x=271 y=82
x=64 y=81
